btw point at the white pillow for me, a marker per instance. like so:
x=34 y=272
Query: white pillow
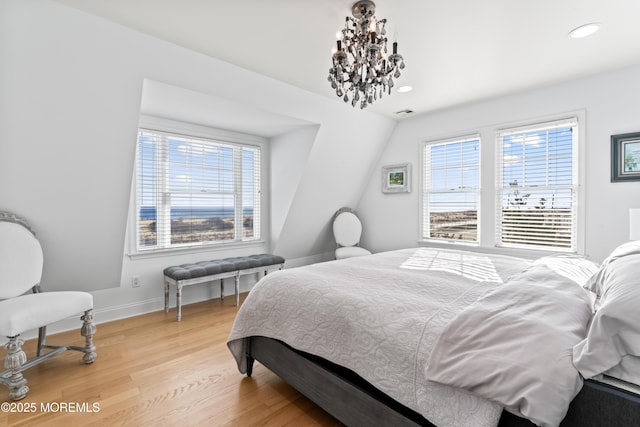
x=630 y=248
x=613 y=342
x=576 y=268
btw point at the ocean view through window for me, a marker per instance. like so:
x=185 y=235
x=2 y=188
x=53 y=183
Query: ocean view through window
x=193 y=191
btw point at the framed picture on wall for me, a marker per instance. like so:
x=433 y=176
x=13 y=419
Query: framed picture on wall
x=396 y=178
x=625 y=157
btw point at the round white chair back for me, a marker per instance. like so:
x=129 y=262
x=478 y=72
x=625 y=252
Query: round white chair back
x=21 y=260
x=347 y=229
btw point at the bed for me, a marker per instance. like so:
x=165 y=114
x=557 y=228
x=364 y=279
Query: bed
x=438 y=337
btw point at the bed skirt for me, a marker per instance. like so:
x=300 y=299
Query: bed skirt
x=355 y=402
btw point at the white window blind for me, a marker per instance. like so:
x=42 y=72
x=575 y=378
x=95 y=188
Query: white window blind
x=195 y=191
x=537 y=185
x=451 y=189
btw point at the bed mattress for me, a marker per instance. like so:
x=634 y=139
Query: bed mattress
x=380 y=316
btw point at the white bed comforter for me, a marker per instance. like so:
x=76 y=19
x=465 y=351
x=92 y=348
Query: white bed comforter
x=515 y=344
x=380 y=316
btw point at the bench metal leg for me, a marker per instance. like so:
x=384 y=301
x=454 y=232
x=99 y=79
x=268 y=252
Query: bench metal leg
x=166 y=296
x=179 y=303
x=222 y=289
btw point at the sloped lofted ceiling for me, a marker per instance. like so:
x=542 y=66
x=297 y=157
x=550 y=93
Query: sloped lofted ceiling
x=164 y=100
x=457 y=51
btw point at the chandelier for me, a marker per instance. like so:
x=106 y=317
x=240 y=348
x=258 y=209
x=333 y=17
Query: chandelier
x=362 y=68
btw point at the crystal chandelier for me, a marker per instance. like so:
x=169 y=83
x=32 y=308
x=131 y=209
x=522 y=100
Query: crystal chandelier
x=362 y=68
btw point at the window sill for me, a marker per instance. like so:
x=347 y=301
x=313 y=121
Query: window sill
x=529 y=253
x=161 y=253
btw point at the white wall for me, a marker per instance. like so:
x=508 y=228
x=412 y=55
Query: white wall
x=71 y=87
x=610 y=104
x=289 y=156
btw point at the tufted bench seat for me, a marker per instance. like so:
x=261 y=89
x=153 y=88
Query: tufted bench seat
x=207 y=271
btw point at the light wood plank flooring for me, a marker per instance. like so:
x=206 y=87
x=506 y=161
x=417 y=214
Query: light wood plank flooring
x=154 y=371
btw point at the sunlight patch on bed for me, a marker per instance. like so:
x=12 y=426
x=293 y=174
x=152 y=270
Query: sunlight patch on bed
x=471 y=266
x=575 y=268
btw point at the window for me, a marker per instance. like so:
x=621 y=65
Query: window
x=195 y=191
x=537 y=186
x=451 y=189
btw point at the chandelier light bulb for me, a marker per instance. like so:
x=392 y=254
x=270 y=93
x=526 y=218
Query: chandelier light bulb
x=362 y=69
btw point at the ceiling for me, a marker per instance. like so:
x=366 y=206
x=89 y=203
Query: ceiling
x=184 y=105
x=456 y=51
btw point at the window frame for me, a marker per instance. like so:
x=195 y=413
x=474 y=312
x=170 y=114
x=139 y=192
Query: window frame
x=488 y=171
x=425 y=220
x=576 y=189
x=217 y=136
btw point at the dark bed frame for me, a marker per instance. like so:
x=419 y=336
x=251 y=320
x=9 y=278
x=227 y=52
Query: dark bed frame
x=355 y=402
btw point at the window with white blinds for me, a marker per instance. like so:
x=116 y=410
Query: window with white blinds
x=195 y=191
x=451 y=189
x=537 y=184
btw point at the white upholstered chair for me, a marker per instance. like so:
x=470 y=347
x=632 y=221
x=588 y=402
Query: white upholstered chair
x=21 y=262
x=347 y=230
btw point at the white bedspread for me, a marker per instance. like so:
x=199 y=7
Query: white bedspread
x=380 y=316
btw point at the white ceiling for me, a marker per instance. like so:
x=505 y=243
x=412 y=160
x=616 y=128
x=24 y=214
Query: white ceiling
x=456 y=51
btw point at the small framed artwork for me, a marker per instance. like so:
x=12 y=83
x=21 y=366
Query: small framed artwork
x=396 y=178
x=625 y=157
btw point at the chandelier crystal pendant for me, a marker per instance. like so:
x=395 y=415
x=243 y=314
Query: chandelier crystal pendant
x=363 y=70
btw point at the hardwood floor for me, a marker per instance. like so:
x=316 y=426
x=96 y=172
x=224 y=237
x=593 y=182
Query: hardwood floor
x=154 y=371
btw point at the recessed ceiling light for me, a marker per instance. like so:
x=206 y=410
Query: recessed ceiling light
x=584 y=30
x=404 y=89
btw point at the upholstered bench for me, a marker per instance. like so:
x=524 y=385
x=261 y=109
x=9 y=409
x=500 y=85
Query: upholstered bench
x=207 y=271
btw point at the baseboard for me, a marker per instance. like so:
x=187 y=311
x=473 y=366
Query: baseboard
x=136 y=308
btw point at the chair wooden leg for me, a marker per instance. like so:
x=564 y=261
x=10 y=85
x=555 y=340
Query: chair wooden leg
x=42 y=336
x=87 y=331
x=14 y=360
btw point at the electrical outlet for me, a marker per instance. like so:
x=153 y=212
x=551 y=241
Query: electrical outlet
x=135 y=281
